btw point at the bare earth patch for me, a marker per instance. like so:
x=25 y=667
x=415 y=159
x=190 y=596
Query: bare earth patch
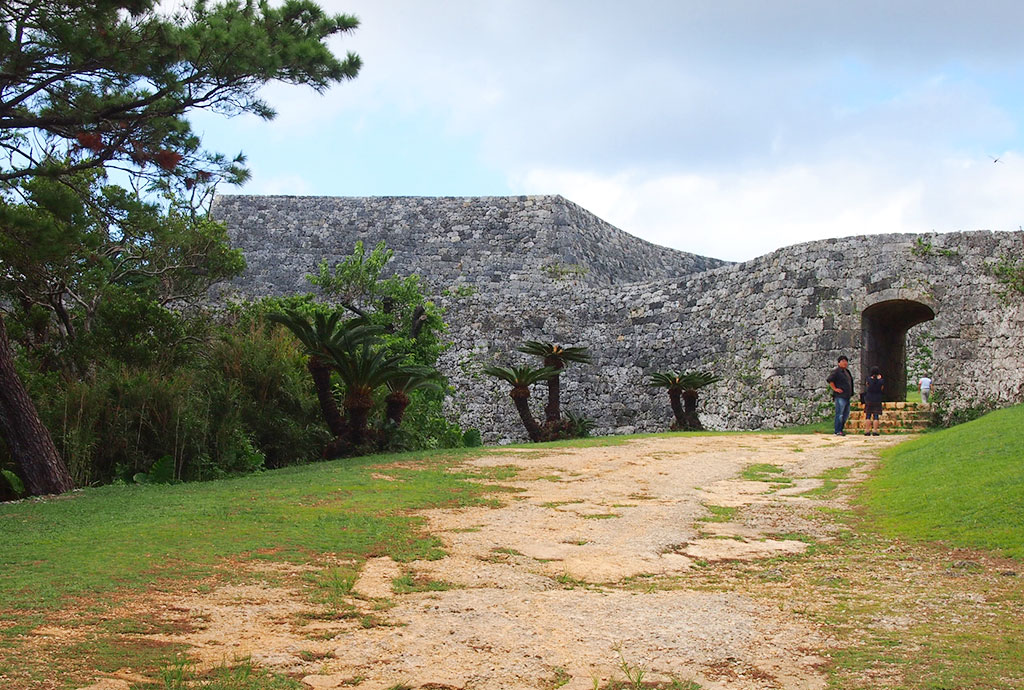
x=600 y=562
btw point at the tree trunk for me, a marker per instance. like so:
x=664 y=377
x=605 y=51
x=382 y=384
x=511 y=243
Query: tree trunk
x=358 y=407
x=677 y=407
x=552 y=411
x=521 y=398
x=29 y=442
x=396 y=402
x=419 y=318
x=328 y=406
x=691 y=422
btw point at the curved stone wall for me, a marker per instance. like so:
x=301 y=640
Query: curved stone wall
x=771 y=327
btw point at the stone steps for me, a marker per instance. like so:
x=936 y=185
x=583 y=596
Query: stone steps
x=897 y=417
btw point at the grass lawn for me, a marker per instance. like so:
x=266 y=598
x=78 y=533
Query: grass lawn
x=89 y=549
x=70 y=560
x=130 y=536
x=963 y=486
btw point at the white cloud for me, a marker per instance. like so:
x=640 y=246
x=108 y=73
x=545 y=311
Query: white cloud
x=723 y=128
x=738 y=216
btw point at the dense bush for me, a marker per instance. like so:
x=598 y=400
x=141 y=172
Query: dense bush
x=425 y=425
x=240 y=404
x=141 y=385
x=242 y=401
x=260 y=384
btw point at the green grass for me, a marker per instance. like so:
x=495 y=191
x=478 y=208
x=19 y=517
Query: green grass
x=720 y=513
x=118 y=537
x=332 y=587
x=764 y=472
x=830 y=482
x=963 y=486
x=407 y=584
x=761 y=472
x=181 y=675
x=85 y=551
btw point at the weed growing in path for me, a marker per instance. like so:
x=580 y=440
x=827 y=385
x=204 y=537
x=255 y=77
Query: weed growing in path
x=408 y=583
x=720 y=513
x=764 y=472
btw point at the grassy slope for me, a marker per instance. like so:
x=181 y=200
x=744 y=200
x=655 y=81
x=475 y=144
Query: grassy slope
x=114 y=537
x=963 y=486
x=83 y=552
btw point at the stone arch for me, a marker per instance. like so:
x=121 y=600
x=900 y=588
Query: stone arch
x=884 y=327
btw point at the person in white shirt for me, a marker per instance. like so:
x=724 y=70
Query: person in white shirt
x=925 y=384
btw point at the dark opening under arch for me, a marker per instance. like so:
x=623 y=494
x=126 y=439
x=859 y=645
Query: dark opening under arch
x=884 y=329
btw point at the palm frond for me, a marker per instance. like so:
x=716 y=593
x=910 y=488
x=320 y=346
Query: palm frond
x=556 y=352
x=665 y=379
x=324 y=330
x=415 y=377
x=690 y=381
x=363 y=367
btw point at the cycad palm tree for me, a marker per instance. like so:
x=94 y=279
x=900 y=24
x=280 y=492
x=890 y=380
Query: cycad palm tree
x=555 y=357
x=412 y=378
x=521 y=379
x=317 y=334
x=362 y=369
x=682 y=394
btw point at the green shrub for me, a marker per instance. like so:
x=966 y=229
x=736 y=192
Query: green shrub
x=579 y=426
x=424 y=425
x=219 y=394
x=245 y=404
x=162 y=472
x=471 y=438
x=11 y=486
x=124 y=419
x=258 y=383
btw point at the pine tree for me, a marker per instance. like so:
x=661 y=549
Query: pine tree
x=108 y=84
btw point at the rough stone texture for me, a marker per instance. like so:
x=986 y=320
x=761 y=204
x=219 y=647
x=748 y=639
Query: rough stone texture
x=541 y=268
x=507 y=243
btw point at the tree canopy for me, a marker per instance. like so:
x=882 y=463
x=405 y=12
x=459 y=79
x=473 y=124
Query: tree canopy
x=87 y=281
x=87 y=88
x=107 y=84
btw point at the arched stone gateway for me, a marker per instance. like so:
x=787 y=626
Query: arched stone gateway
x=884 y=329
x=509 y=269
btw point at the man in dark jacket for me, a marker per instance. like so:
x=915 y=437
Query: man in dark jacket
x=841 y=383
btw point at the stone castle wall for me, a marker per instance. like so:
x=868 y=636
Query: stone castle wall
x=771 y=327
x=498 y=242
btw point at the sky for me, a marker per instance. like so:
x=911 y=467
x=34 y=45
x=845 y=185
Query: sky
x=726 y=128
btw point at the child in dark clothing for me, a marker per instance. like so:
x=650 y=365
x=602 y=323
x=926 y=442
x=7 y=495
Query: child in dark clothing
x=873 y=403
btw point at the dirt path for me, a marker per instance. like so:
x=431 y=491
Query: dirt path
x=584 y=575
